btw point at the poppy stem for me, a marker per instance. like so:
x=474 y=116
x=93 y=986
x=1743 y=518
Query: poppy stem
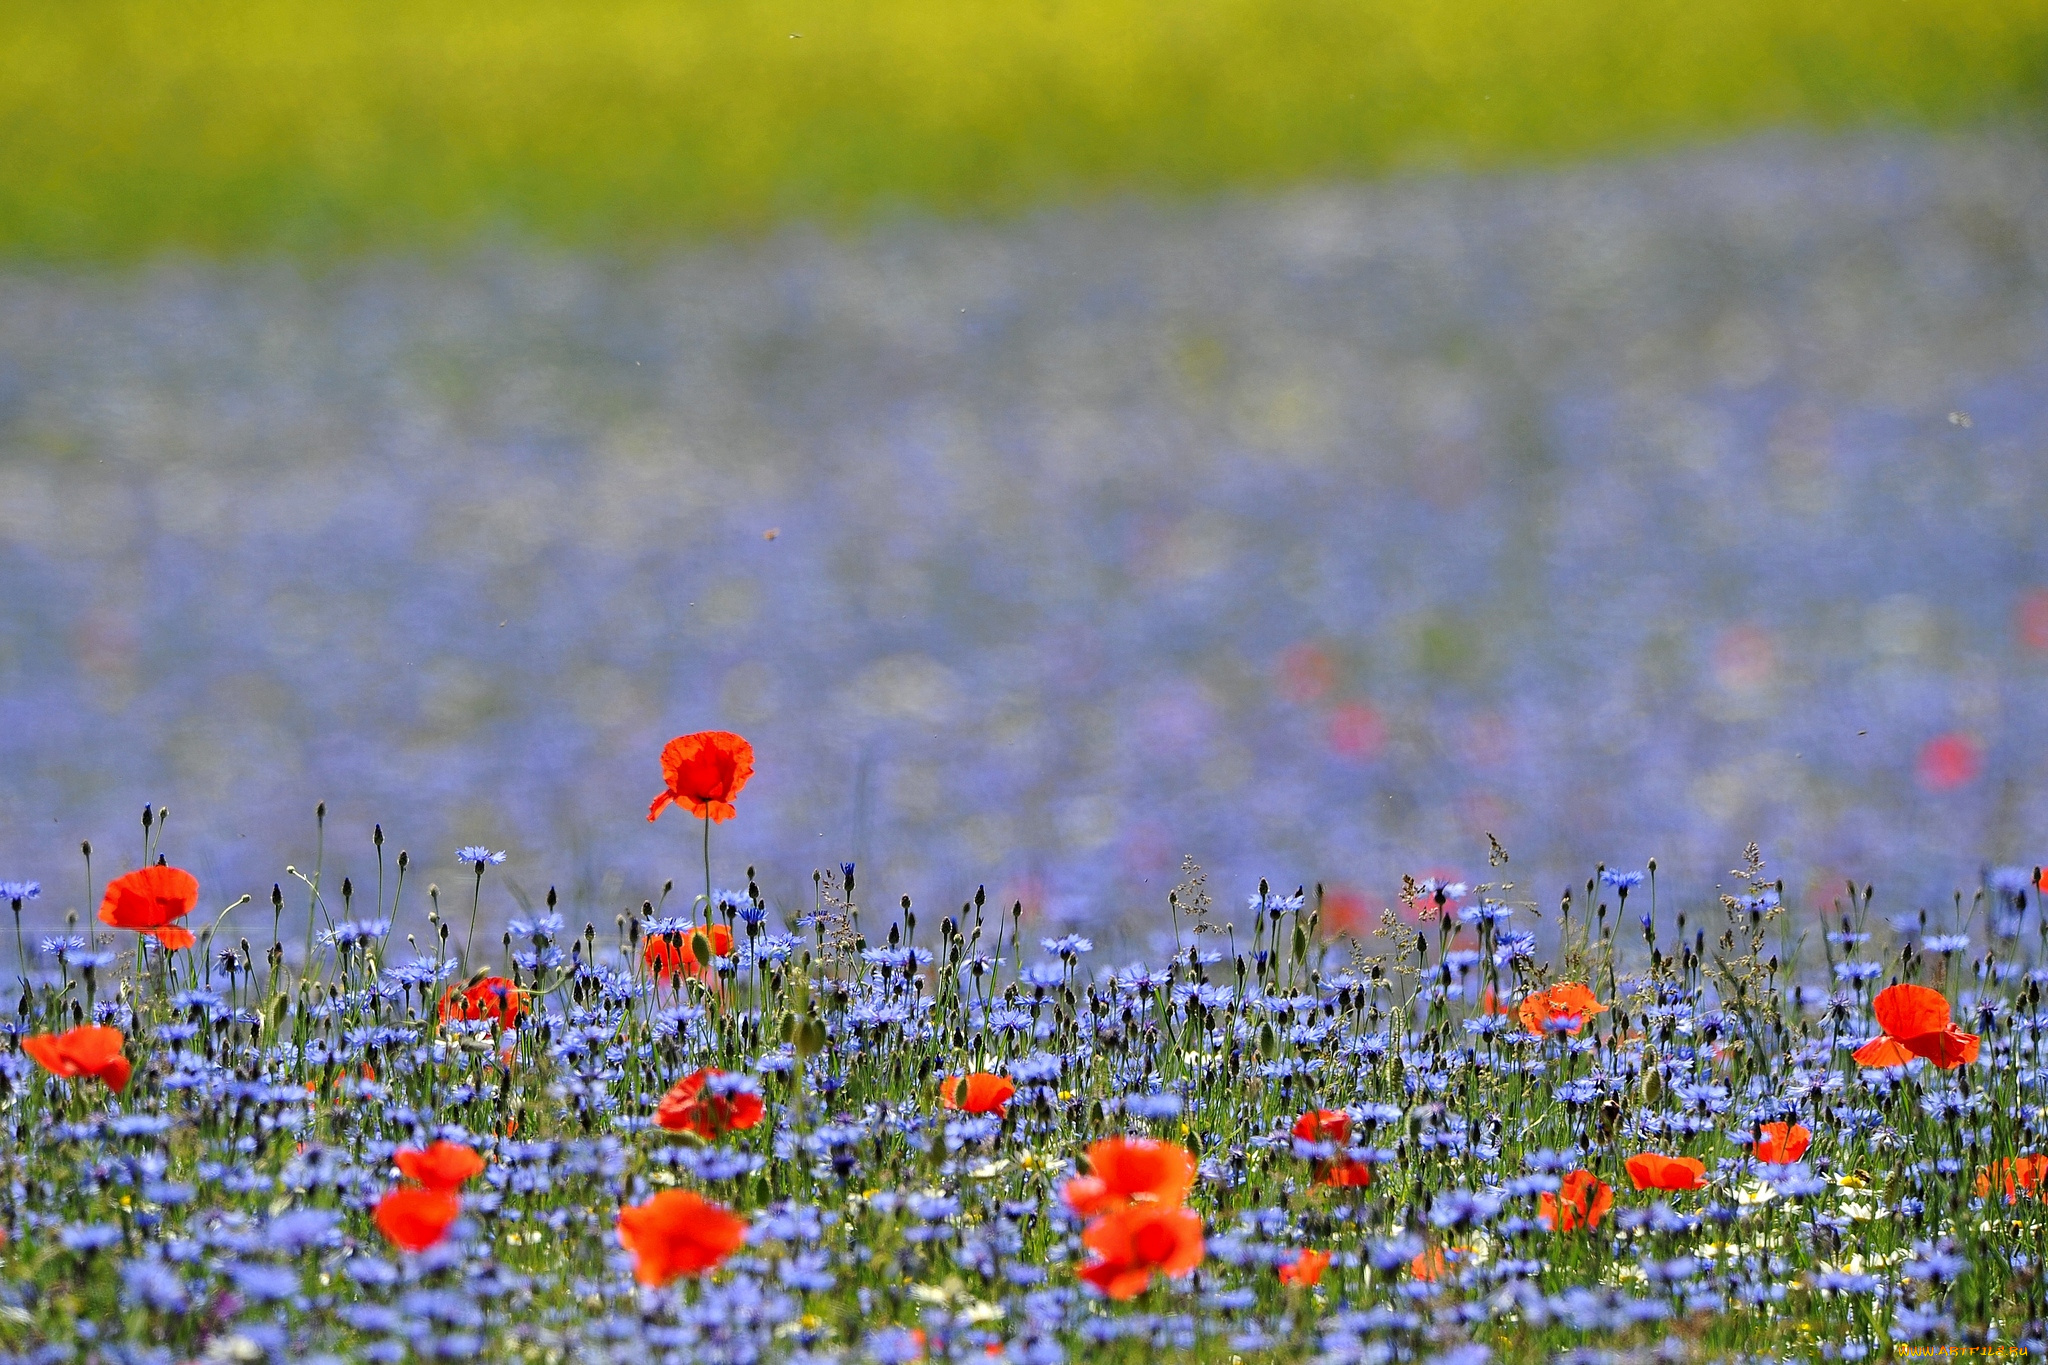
x=707 y=864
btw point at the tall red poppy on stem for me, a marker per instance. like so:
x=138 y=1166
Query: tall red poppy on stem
x=1655 y=1171
x=698 y=1104
x=704 y=772
x=1566 y=1006
x=415 y=1219
x=1580 y=1202
x=1305 y=1268
x=150 y=900
x=664 y=953
x=1916 y=1023
x=678 y=1232
x=1131 y=1244
x=444 y=1166
x=1779 y=1143
x=493 y=997
x=978 y=1092
x=1333 y=1125
x=93 y=1050
x=1131 y=1170
x=2024 y=1173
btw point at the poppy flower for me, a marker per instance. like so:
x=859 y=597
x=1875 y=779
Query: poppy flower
x=442 y=1166
x=978 y=1092
x=704 y=772
x=688 y=1107
x=678 y=1232
x=1132 y=1243
x=415 y=1219
x=1779 y=1143
x=1323 y=1125
x=664 y=953
x=149 y=900
x=1344 y=1173
x=2027 y=1173
x=1305 y=1269
x=1332 y=1125
x=1916 y=1023
x=1131 y=1170
x=1581 y=1201
x=93 y=1050
x=1567 y=1006
x=1655 y=1171
x=494 y=998
x=1433 y=1263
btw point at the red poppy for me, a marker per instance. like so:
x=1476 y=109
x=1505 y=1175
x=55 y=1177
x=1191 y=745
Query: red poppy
x=415 y=1219
x=704 y=772
x=1131 y=1243
x=1581 y=1201
x=678 y=1232
x=1567 y=1006
x=1433 y=1263
x=1323 y=1125
x=1305 y=1269
x=1655 y=1171
x=1779 y=1143
x=494 y=998
x=93 y=1050
x=1950 y=761
x=978 y=1092
x=149 y=900
x=1131 y=1170
x=2027 y=1173
x=1916 y=1023
x=687 y=1107
x=1332 y=1125
x=443 y=1166
x=664 y=953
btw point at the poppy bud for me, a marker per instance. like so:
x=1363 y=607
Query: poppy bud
x=700 y=946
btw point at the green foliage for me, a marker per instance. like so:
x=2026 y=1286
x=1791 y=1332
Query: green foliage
x=128 y=126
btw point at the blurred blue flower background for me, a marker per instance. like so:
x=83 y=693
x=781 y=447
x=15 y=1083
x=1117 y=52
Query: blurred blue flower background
x=1638 y=509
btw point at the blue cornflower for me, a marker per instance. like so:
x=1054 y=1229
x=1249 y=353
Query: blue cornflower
x=478 y=854
x=895 y=1346
x=20 y=891
x=349 y=933
x=81 y=1237
x=61 y=945
x=1945 y=943
x=152 y=1284
x=1463 y=1208
x=1857 y=971
x=1068 y=946
x=1514 y=948
x=542 y=931
x=2010 y=880
x=1622 y=881
x=264 y=1283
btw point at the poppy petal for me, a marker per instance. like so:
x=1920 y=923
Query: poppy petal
x=1883 y=1050
x=1908 y=1011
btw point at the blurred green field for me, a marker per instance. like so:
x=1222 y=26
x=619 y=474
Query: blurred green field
x=128 y=126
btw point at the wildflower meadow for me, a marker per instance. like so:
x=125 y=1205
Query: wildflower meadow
x=1621 y=1123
